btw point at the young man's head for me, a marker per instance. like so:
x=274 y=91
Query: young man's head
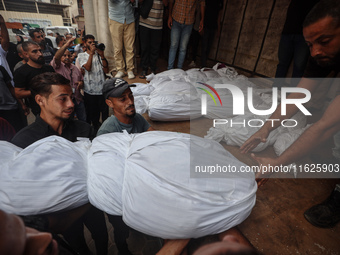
x=321 y=30
x=15 y=238
x=118 y=96
x=88 y=41
x=21 y=53
x=60 y=40
x=53 y=94
x=32 y=52
x=37 y=36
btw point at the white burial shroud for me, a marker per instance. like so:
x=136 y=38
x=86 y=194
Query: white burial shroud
x=144 y=177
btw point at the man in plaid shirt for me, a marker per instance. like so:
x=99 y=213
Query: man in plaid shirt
x=181 y=20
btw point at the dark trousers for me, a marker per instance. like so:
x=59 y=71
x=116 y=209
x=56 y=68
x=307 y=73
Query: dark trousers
x=292 y=47
x=207 y=41
x=121 y=233
x=150 y=40
x=94 y=220
x=194 y=41
x=94 y=105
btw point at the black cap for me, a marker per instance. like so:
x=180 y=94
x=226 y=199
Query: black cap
x=115 y=87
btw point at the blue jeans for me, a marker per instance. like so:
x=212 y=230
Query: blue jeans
x=180 y=35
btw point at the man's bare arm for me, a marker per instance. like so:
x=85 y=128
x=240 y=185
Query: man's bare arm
x=171 y=4
x=61 y=51
x=91 y=52
x=22 y=93
x=318 y=133
x=262 y=134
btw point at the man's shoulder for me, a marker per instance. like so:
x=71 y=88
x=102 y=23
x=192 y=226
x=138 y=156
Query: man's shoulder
x=110 y=125
x=27 y=135
x=47 y=68
x=80 y=128
x=313 y=70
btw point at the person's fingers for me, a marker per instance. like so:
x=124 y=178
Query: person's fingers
x=261 y=182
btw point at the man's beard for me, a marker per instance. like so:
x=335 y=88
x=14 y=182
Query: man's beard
x=132 y=114
x=333 y=62
x=39 y=61
x=43 y=43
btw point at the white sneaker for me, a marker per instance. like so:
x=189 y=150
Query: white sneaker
x=131 y=75
x=192 y=64
x=120 y=74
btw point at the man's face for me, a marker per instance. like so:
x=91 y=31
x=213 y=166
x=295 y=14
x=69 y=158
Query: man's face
x=124 y=105
x=66 y=58
x=34 y=54
x=88 y=43
x=68 y=37
x=38 y=38
x=323 y=39
x=62 y=42
x=58 y=105
x=18 y=239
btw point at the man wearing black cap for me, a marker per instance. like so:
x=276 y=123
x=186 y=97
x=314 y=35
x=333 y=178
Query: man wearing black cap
x=119 y=97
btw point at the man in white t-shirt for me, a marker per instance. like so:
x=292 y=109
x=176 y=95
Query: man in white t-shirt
x=95 y=65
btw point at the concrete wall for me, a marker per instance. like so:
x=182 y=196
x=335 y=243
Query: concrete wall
x=96 y=23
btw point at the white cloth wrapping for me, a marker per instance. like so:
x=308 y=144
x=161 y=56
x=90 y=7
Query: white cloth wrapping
x=144 y=177
x=174 y=101
x=149 y=174
x=284 y=140
x=47 y=176
x=237 y=134
x=142 y=104
x=142 y=89
x=172 y=74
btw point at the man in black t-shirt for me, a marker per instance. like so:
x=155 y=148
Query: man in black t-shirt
x=321 y=30
x=47 y=50
x=23 y=76
x=53 y=93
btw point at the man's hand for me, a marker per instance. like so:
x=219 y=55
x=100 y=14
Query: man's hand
x=257 y=138
x=70 y=42
x=92 y=49
x=80 y=85
x=170 y=22
x=101 y=53
x=24 y=108
x=200 y=29
x=262 y=177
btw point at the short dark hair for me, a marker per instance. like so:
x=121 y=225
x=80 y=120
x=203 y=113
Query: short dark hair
x=31 y=32
x=41 y=84
x=323 y=9
x=59 y=39
x=86 y=37
x=26 y=44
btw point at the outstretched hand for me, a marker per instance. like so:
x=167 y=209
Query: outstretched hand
x=264 y=164
x=257 y=138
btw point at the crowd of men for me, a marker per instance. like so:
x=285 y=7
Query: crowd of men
x=47 y=83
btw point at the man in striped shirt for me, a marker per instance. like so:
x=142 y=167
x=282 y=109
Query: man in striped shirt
x=150 y=27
